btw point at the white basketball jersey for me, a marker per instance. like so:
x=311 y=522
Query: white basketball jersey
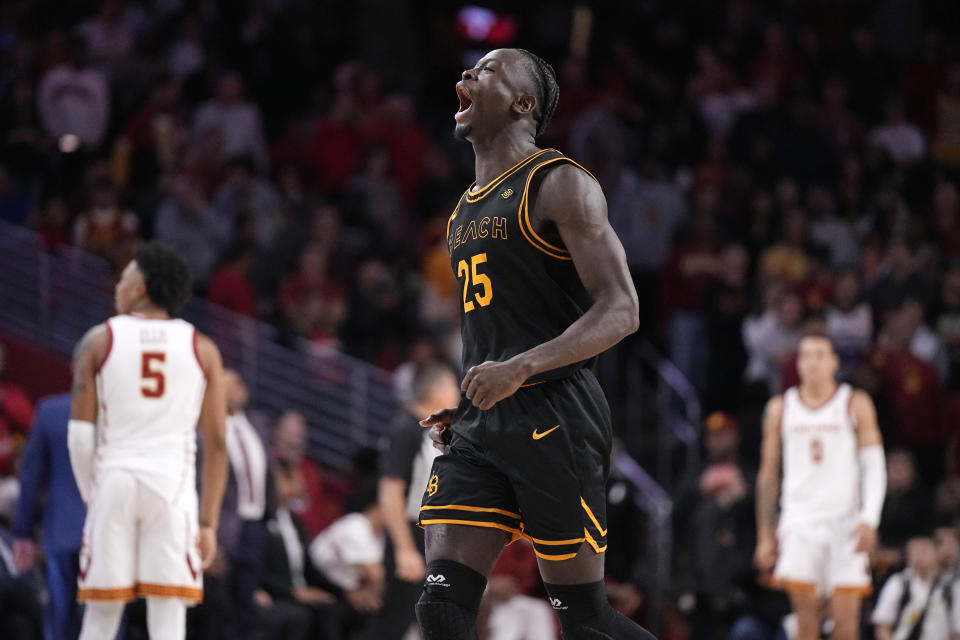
x=821 y=470
x=150 y=388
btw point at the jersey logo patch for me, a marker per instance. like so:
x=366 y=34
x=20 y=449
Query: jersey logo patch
x=537 y=435
x=506 y=194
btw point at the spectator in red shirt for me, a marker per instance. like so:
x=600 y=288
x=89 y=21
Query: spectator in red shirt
x=230 y=285
x=16 y=416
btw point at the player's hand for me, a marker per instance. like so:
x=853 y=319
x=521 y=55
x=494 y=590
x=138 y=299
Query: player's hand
x=207 y=543
x=489 y=382
x=410 y=565
x=24 y=554
x=262 y=599
x=866 y=538
x=765 y=556
x=439 y=425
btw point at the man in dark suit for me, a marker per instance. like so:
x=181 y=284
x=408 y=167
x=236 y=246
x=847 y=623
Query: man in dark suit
x=295 y=601
x=46 y=469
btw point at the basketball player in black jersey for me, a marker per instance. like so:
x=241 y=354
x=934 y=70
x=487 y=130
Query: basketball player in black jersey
x=545 y=289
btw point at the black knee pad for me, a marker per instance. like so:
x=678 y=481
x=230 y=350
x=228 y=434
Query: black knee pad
x=447 y=610
x=586 y=614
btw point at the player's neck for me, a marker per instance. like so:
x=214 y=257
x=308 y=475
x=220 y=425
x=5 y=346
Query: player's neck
x=149 y=311
x=495 y=155
x=817 y=392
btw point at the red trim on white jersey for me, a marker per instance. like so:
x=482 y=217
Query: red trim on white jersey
x=196 y=352
x=109 y=348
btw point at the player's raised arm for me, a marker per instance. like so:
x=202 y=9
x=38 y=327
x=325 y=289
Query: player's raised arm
x=88 y=355
x=213 y=415
x=873 y=469
x=768 y=485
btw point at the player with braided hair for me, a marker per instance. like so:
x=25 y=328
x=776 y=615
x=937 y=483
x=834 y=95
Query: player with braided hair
x=545 y=290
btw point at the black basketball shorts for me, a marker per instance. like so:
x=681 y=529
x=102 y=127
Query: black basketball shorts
x=535 y=465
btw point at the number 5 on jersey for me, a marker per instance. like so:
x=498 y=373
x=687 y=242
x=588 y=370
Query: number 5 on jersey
x=471 y=274
x=154 y=382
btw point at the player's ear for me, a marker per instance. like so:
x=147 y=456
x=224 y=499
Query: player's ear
x=524 y=104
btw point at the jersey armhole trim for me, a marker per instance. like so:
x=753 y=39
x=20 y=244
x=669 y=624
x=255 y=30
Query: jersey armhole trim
x=850 y=414
x=196 y=352
x=523 y=213
x=109 y=348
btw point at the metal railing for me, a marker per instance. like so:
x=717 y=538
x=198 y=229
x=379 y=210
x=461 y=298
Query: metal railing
x=677 y=417
x=53 y=297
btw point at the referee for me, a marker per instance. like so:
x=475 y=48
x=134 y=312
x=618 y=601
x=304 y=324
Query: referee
x=404 y=469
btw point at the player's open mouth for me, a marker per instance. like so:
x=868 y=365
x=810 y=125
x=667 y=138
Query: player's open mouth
x=465 y=101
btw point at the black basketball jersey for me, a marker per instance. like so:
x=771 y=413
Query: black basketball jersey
x=518 y=285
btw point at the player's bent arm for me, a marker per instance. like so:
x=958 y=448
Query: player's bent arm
x=213 y=415
x=873 y=470
x=392 y=497
x=573 y=201
x=768 y=478
x=81 y=437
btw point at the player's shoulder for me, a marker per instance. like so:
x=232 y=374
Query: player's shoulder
x=775 y=405
x=568 y=191
x=859 y=399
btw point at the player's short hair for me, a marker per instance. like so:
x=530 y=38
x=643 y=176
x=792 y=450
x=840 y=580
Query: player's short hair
x=425 y=377
x=165 y=274
x=548 y=90
x=818 y=334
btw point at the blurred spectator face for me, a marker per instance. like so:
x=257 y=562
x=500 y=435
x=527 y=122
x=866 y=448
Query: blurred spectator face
x=899 y=256
x=237 y=394
x=846 y=293
x=313 y=262
x=921 y=555
x=947 y=547
x=289 y=484
x=816 y=360
x=230 y=88
x=721 y=438
x=795 y=228
x=820 y=201
x=901 y=471
x=290 y=437
x=912 y=312
x=733 y=263
x=325 y=225
x=790 y=310
x=951 y=286
x=787 y=194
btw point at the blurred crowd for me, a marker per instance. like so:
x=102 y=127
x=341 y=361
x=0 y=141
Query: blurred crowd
x=770 y=167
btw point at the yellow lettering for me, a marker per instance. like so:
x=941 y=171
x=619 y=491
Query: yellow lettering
x=499 y=227
x=456 y=239
x=471 y=231
x=484 y=223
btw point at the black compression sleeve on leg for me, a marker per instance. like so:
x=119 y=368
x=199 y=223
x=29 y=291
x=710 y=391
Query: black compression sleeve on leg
x=447 y=610
x=586 y=614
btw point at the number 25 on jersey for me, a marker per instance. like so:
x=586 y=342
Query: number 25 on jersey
x=473 y=279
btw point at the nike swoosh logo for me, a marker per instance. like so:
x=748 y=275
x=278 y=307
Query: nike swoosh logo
x=537 y=435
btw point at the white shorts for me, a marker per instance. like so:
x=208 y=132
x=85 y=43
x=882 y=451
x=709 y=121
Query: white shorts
x=137 y=544
x=822 y=557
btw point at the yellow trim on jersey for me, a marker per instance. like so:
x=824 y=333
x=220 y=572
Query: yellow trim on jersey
x=474 y=196
x=553 y=542
x=565 y=556
x=593 y=543
x=532 y=384
x=593 y=518
x=463 y=507
x=148 y=589
x=475 y=523
x=523 y=213
x=122 y=594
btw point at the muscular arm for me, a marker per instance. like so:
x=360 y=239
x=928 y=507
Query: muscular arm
x=87 y=358
x=573 y=201
x=873 y=471
x=768 y=478
x=213 y=415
